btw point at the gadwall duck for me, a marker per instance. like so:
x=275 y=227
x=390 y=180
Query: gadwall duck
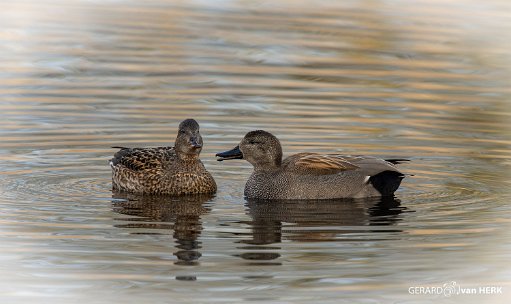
x=311 y=175
x=164 y=170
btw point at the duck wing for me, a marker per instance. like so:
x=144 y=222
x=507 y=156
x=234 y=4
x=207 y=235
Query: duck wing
x=316 y=163
x=138 y=159
x=371 y=165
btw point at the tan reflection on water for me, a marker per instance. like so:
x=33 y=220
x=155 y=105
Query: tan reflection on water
x=427 y=80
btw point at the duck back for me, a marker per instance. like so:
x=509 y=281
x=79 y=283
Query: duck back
x=159 y=171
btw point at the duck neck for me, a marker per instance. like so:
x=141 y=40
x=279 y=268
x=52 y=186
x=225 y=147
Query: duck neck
x=268 y=166
x=187 y=158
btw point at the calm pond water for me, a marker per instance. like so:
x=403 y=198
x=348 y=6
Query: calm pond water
x=425 y=80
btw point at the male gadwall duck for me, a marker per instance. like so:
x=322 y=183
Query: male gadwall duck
x=164 y=170
x=311 y=175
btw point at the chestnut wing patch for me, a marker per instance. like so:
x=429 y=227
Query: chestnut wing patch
x=322 y=163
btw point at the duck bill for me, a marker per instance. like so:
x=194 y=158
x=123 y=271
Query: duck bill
x=231 y=154
x=194 y=142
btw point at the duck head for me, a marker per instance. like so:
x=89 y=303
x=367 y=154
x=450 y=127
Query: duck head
x=188 y=141
x=260 y=148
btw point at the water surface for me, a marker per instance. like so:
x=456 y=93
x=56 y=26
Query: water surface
x=424 y=80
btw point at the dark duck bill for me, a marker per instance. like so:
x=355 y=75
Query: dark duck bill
x=195 y=143
x=231 y=154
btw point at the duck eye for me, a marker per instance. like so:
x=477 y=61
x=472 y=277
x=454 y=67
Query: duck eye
x=182 y=132
x=252 y=142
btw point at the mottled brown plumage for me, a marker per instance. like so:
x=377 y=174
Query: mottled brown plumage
x=311 y=175
x=164 y=170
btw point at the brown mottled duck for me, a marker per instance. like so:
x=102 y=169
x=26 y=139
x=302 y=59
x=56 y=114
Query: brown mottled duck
x=164 y=170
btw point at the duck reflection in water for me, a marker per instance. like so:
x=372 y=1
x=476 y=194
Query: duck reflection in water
x=182 y=215
x=314 y=221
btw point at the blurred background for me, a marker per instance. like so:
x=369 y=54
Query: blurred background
x=424 y=80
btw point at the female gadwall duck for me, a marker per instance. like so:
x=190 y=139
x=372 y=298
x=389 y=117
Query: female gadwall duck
x=311 y=175
x=164 y=170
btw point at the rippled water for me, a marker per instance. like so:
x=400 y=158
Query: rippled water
x=425 y=80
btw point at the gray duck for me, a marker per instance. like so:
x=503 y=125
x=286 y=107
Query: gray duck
x=164 y=170
x=311 y=175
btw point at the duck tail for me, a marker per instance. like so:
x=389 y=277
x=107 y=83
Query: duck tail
x=118 y=155
x=387 y=182
x=397 y=161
